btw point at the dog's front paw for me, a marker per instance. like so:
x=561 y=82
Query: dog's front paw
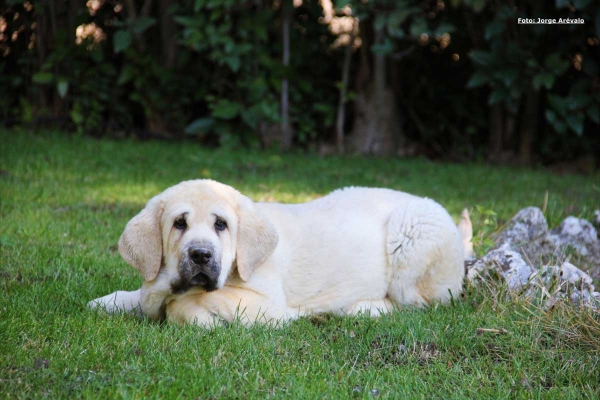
x=119 y=301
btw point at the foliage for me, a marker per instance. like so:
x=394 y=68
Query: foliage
x=485 y=222
x=85 y=82
x=232 y=47
x=212 y=70
x=559 y=62
x=437 y=110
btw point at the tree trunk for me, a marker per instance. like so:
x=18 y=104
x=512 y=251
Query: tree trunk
x=529 y=126
x=57 y=14
x=376 y=122
x=496 y=132
x=167 y=34
x=41 y=37
x=341 y=113
x=53 y=23
x=378 y=93
x=287 y=7
x=132 y=15
x=73 y=12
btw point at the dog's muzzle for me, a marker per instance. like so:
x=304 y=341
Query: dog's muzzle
x=205 y=272
x=200 y=268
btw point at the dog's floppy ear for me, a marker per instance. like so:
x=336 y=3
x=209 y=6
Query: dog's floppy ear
x=141 y=242
x=256 y=238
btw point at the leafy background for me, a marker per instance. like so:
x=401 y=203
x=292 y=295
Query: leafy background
x=465 y=80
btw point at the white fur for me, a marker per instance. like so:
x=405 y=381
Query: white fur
x=119 y=301
x=354 y=250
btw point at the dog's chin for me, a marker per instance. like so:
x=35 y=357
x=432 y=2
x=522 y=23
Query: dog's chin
x=196 y=283
x=202 y=280
x=181 y=287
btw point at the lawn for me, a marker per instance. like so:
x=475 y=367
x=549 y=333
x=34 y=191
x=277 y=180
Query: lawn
x=65 y=201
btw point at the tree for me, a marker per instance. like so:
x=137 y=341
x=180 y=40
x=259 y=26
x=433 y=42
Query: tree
x=375 y=125
x=222 y=72
x=537 y=85
x=287 y=8
x=341 y=113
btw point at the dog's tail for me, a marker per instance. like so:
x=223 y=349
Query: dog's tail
x=466 y=233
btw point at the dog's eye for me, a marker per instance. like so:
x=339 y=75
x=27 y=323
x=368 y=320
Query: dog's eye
x=180 y=224
x=220 y=225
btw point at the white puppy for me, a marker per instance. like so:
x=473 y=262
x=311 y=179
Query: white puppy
x=205 y=251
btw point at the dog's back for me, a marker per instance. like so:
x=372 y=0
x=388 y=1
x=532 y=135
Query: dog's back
x=363 y=244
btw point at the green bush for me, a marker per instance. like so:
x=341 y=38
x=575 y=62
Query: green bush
x=467 y=79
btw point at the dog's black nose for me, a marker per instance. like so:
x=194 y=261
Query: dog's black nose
x=200 y=256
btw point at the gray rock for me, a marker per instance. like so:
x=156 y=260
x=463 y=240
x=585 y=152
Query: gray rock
x=573 y=240
x=568 y=282
x=506 y=263
x=566 y=274
x=581 y=236
x=526 y=245
x=527 y=226
x=553 y=283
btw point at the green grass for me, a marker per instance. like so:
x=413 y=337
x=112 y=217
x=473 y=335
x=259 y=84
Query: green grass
x=65 y=201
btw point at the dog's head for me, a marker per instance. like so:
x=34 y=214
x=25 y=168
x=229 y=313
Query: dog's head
x=194 y=234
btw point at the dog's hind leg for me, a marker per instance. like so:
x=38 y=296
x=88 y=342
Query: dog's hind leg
x=425 y=254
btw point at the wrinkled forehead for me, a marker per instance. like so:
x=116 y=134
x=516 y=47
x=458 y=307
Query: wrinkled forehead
x=196 y=203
